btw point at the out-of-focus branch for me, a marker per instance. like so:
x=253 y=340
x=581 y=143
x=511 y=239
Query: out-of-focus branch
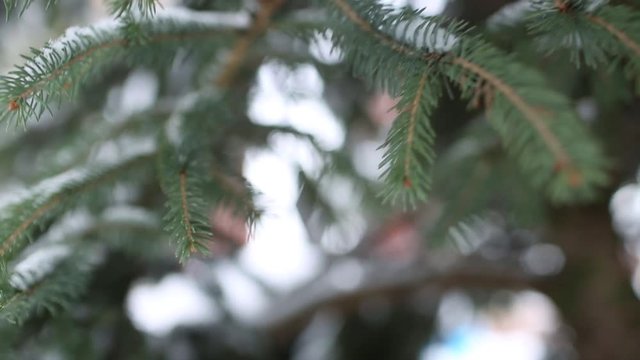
x=239 y=52
x=290 y=315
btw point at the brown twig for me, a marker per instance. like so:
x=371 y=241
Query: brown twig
x=186 y=214
x=413 y=118
x=561 y=5
x=293 y=313
x=619 y=34
x=239 y=52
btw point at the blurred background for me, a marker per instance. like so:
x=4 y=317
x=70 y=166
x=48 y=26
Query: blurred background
x=328 y=272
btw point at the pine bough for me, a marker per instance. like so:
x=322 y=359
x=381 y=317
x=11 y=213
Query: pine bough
x=415 y=58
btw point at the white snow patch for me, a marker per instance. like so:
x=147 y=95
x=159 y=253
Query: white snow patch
x=125 y=213
x=73 y=36
x=625 y=211
x=510 y=14
x=205 y=18
x=517 y=332
x=347 y=274
x=130 y=150
x=280 y=252
x=323 y=50
x=124 y=147
x=158 y=308
x=38 y=264
x=431 y=7
x=139 y=92
x=430 y=39
x=78 y=34
x=243 y=298
x=70 y=225
x=299 y=152
x=293 y=97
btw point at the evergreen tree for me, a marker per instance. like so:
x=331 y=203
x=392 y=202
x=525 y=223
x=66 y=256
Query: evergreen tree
x=486 y=122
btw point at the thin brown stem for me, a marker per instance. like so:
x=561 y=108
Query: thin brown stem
x=561 y=5
x=186 y=215
x=624 y=38
x=413 y=115
x=239 y=52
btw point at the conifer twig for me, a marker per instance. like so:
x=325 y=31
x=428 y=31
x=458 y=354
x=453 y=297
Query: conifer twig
x=54 y=73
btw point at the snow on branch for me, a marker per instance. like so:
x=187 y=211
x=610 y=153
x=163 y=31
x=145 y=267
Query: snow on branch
x=58 y=71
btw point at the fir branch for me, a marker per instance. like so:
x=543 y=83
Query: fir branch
x=21 y=220
x=66 y=65
x=553 y=148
